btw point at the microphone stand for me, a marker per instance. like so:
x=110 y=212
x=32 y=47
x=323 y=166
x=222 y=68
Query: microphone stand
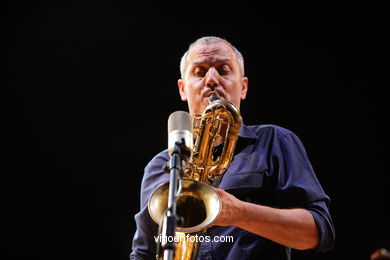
x=168 y=244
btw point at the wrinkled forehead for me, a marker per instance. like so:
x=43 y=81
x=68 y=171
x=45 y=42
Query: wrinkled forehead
x=211 y=53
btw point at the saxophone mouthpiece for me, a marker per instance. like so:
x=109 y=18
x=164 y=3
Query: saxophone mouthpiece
x=213 y=98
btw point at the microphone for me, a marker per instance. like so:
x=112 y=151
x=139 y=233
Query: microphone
x=180 y=131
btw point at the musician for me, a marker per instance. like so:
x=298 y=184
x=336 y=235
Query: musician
x=271 y=198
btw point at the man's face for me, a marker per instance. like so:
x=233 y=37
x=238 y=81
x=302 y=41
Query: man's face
x=211 y=69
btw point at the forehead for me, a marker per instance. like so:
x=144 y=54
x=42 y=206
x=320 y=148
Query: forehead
x=211 y=53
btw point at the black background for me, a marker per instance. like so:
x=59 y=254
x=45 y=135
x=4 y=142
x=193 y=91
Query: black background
x=89 y=86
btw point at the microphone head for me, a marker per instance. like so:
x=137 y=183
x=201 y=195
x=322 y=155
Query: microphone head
x=180 y=120
x=180 y=130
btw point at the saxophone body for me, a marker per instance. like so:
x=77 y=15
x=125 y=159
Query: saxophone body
x=215 y=134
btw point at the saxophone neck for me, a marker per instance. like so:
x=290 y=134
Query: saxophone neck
x=213 y=98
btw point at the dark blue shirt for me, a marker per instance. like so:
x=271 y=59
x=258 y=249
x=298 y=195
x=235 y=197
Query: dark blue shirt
x=270 y=168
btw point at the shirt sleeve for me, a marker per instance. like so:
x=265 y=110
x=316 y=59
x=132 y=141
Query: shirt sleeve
x=144 y=244
x=298 y=186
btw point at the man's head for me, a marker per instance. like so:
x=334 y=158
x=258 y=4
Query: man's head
x=212 y=65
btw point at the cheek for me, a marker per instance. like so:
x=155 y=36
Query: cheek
x=196 y=84
x=195 y=87
x=233 y=90
x=231 y=86
x=192 y=91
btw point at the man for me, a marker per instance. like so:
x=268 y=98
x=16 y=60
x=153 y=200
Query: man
x=271 y=198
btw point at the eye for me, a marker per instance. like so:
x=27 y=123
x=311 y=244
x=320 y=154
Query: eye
x=199 y=72
x=224 y=70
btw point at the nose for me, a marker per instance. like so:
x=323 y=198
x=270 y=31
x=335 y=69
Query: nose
x=212 y=78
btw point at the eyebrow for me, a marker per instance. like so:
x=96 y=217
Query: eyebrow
x=217 y=61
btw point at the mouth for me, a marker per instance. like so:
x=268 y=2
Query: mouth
x=209 y=94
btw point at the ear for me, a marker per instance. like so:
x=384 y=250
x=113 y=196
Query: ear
x=244 y=88
x=183 y=95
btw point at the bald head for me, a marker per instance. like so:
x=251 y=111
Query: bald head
x=207 y=40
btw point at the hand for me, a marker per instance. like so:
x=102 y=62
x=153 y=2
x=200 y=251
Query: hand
x=230 y=211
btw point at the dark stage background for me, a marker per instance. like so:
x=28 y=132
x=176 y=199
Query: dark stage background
x=89 y=86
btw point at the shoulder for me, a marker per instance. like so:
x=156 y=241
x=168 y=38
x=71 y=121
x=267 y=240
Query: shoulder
x=270 y=130
x=159 y=159
x=154 y=175
x=276 y=137
x=155 y=168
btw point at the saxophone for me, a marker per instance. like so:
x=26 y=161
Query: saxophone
x=198 y=204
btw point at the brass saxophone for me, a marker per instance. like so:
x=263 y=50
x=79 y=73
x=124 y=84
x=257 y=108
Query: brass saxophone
x=198 y=204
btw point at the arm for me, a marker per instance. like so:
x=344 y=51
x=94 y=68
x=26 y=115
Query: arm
x=293 y=228
x=289 y=205
x=144 y=244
